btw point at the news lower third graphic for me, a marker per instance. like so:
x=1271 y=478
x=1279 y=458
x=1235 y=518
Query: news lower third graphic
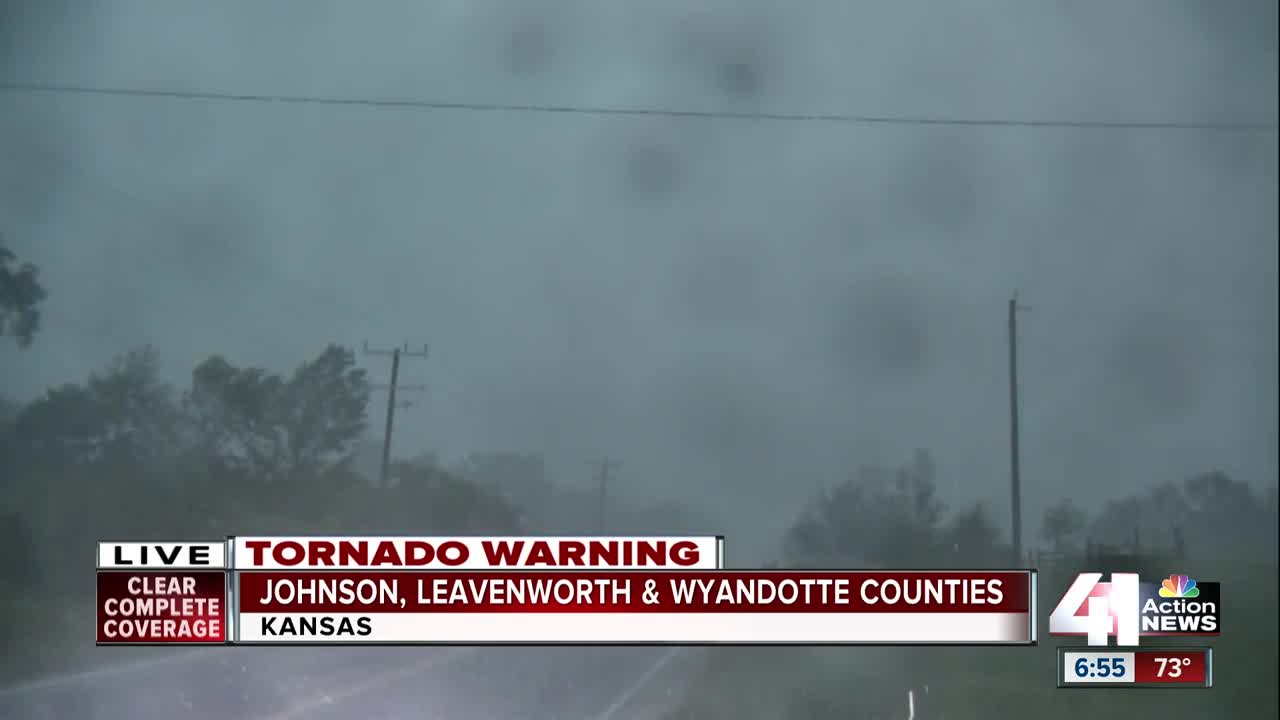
x=535 y=591
x=1128 y=609
x=1166 y=667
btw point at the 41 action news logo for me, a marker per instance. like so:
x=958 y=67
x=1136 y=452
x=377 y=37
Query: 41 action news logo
x=1127 y=608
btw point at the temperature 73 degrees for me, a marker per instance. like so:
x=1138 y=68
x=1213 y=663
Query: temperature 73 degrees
x=1189 y=667
x=1171 y=667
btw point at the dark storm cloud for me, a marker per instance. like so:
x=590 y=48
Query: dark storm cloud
x=883 y=334
x=726 y=418
x=1151 y=366
x=730 y=307
x=941 y=179
x=36 y=164
x=531 y=45
x=728 y=53
x=40 y=153
x=211 y=233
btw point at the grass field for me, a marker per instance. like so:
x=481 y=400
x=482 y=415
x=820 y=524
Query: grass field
x=47 y=634
x=42 y=636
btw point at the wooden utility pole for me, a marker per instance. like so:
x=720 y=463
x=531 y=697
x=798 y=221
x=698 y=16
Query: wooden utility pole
x=603 y=476
x=1015 y=479
x=391 y=388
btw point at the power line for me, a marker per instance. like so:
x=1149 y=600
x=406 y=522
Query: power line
x=437 y=105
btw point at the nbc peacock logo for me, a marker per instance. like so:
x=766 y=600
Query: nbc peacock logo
x=1179 y=586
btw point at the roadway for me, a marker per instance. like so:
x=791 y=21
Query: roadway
x=265 y=683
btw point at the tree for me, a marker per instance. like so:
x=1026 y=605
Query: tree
x=879 y=518
x=261 y=424
x=86 y=460
x=1227 y=517
x=18 y=563
x=8 y=411
x=1119 y=520
x=326 y=405
x=125 y=415
x=142 y=421
x=1216 y=494
x=1062 y=524
x=439 y=501
x=973 y=538
x=1168 y=503
x=520 y=479
x=20 y=297
x=1208 y=515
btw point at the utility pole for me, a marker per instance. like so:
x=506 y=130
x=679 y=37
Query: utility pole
x=391 y=388
x=603 y=476
x=1015 y=479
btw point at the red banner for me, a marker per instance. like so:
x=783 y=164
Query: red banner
x=1170 y=666
x=819 y=591
x=148 y=607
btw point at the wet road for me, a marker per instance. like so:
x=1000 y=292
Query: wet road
x=261 y=683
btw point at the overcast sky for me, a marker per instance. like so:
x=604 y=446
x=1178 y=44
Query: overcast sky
x=738 y=311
